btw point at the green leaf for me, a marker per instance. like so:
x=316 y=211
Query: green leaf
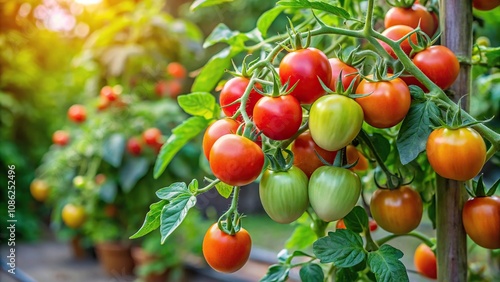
x=267 y=18
x=276 y=273
x=213 y=70
x=193 y=186
x=152 y=220
x=417 y=93
x=493 y=56
x=346 y=274
x=174 y=213
x=113 y=149
x=356 y=220
x=381 y=144
x=201 y=104
x=222 y=33
x=206 y=3
x=180 y=136
x=386 y=265
x=343 y=247
x=322 y=6
x=173 y=191
x=224 y=189
x=302 y=237
x=415 y=130
x=107 y=191
x=311 y=272
x=133 y=170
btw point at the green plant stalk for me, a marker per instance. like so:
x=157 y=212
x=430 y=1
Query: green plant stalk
x=318 y=226
x=231 y=214
x=370 y=245
x=414 y=234
x=208 y=187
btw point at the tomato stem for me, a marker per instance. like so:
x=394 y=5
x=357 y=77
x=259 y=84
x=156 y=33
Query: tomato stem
x=231 y=217
x=208 y=187
x=414 y=234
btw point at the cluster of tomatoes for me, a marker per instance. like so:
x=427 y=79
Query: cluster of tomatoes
x=172 y=86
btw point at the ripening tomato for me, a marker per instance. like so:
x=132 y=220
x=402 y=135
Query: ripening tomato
x=304 y=154
x=333 y=192
x=413 y=17
x=457 y=154
x=425 y=262
x=372 y=224
x=100 y=179
x=283 y=194
x=349 y=74
x=176 y=70
x=73 y=215
x=334 y=121
x=109 y=93
x=103 y=103
x=232 y=91
x=216 y=130
x=39 y=190
x=152 y=136
x=305 y=67
x=481 y=218
x=61 y=137
x=134 y=146
x=77 y=113
x=398 y=211
x=236 y=160
x=226 y=253
x=439 y=64
x=395 y=33
x=278 y=118
x=485 y=5
x=387 y=104
x=354 y=155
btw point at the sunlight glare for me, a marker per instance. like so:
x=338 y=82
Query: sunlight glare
x=88 y=2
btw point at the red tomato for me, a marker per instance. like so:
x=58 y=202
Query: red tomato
x=161 y=88
x=425 y=261
x=388 y=103
x=236 y=160
x=224 y=252
x=60 y=137
x=457 y=154
x=354 y=155
x=103 y=103
x=371 y=224
x=176 y=70
x=435 y=19
x=348 y=74
x=108 y=93
x=411 y=80
x=395 y=33
x=77 y=113
x=304 y=156
x=232 y=91
x=216 y=130
x=481 y=218
x=412 y=17
x=485 y=5
x=340 y=224
x=152 y=137
x=134 y=146
x=278 y=118
x=439 y=64
x=305 y=67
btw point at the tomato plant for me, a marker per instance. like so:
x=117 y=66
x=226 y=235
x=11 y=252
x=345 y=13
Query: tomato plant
x=395 y=33
x=224 y=252
x=77 y=113
x=215 y=131
x=304 y=154
x=439 y=64
x=234 y=90
x=349 y=73
x=412 y=16
x=278 y=118
x=424 y=260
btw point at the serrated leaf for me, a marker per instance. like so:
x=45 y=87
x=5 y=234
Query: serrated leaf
x=180 y=136
x=415 y=130
x=173 y=191
x=213 y=70
x=206 y=3
x=386 y=266
x=343 y=247
x=113 y=149
x=201 y=104
x=356 y=219
x=267 y=18
x=311 y=272
x=174 y=213
x=302 y=237
x=131 y=171
x=322 y=6
x=381 y=144
x=276 y=273
x=107 y=191
x=224 y=189
x=152 y=220
x=222 y=33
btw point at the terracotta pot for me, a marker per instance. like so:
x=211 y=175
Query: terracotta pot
x=115 y=258
x=141 y=257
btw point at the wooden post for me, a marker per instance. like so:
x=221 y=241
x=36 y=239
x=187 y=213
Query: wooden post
x=456 y=27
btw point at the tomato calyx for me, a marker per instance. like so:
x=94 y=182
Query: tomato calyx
x=479 y=189
x=295 y=39
x=230 y=221
x=380 y=72
x=278 y=162
x=401 y=3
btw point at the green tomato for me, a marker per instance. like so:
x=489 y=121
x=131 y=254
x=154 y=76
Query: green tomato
x=333 y=192
x=79 y=182
x=284 y=194
x=334 y=121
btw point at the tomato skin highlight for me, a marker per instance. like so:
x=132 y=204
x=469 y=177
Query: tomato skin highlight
x=388 y=103
x=226 y=253
x=481 y=219
x=304 y=156
x=305 y=66
x=425 y=262
x=398 y=211
x=349 y=74
x=395 y=33
x=215 y=131
x=456 y=154
x=439 y=64
x=333 y=192
x=232 y=91
x=284 y=194
x=334 y=121
x=236 y=160
x=412 y=17
x=278 y=118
